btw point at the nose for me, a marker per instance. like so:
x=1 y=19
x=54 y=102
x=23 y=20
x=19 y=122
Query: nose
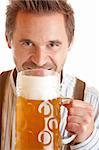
x=40 y=57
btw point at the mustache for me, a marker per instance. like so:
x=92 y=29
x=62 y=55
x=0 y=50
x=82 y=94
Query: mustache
x=31 y=65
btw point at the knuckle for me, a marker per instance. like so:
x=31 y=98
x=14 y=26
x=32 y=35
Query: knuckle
x=90 y=113
x=71 y=127
x=82 y=128
x=91 y=107
x=73 y=103
x=86 y=119
x=70 y=118
x=71 y=111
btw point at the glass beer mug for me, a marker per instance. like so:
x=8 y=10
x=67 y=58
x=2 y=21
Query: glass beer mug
x=38 y=110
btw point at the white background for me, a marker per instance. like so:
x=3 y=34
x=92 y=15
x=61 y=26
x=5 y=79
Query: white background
x=83 y=58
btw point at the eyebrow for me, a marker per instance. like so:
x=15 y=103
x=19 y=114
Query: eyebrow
x=50 y=41
x=55 y=41
x=25 y=40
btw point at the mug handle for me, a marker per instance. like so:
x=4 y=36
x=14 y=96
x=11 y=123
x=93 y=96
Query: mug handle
x=69 y=138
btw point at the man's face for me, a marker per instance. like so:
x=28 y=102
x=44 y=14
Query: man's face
x=39 y=41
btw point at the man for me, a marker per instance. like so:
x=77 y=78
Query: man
x=40 y=32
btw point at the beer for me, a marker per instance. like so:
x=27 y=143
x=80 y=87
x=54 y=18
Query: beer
x=37 y=113
x=37 y=124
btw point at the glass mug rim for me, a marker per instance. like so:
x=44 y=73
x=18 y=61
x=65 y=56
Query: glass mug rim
x=38 y=72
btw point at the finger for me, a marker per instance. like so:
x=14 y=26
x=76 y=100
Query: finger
x=65 y=101
x=72 y=128
x=79 y=103
x=74 y=119
x=78 y=111
x=80 y=120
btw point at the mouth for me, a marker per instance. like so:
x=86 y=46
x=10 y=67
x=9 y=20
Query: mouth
x=41 y=71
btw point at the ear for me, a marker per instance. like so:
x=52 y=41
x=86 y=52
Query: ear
x=8 y=39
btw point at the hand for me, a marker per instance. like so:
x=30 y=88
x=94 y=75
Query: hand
x=80 y=119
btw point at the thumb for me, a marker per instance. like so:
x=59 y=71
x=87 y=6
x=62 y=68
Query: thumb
x=66 y=102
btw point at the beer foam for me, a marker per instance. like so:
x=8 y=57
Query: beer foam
x=38 y=87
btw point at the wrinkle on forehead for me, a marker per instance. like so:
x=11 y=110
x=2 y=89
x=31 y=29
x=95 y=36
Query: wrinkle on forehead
x=41 y=28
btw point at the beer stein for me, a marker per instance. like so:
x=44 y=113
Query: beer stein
x=38 y=111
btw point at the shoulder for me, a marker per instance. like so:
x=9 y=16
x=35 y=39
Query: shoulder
x=5 y=74
x=72 y=84
x=91 y=94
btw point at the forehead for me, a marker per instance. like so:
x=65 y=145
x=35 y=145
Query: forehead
x=40 y=25
x=25 y=17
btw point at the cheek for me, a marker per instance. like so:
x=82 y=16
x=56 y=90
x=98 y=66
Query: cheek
x=18 y=52
x=63 y=56
x=19 y=58
x=20 y=55
x=59 y=59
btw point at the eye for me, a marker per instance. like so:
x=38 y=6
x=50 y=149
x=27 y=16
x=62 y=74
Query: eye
x=54 y=45
x=26 y=43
